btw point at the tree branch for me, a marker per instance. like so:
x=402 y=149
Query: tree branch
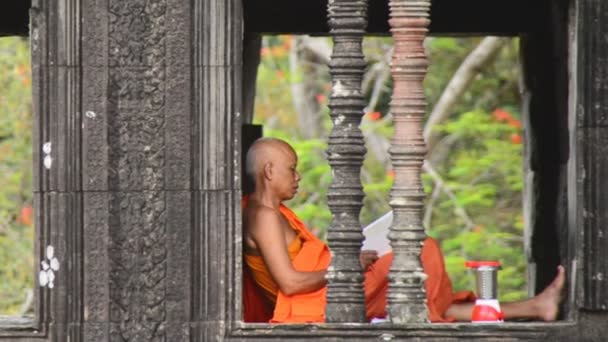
x=306 y=111
x=428 y=214
x=318 y=47
x=460 y=211
x=483 y=54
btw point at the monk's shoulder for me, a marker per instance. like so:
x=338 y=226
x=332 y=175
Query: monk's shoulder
x=258 y=217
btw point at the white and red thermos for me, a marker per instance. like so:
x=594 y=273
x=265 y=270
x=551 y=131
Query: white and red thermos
x=487 y=309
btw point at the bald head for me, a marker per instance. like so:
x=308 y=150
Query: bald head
x=264 y=151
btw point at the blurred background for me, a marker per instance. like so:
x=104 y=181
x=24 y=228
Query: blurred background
x=17 y=265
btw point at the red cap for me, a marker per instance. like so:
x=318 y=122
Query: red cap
x=476 y=264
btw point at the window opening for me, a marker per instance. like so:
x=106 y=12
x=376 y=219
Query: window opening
x=17 y=231
x=473 y=176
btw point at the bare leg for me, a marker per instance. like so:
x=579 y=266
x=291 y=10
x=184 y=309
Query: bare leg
x=544 y=306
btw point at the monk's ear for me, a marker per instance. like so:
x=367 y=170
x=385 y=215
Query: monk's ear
x=268 y=171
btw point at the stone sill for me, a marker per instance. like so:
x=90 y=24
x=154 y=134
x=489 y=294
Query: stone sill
x=15 y=326
x=389 y=331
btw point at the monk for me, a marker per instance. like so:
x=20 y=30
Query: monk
x=285 y=264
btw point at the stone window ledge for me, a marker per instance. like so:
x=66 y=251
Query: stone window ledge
x=20 y=327
x=388 y=331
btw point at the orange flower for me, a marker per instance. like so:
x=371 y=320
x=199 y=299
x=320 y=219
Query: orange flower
x=390 y=174
x=21 y=70
x=280 y=74
x=478 y=228
x=25 y=216
x=287 y=41
x=501 y=115
x=264 y=51
x=516 y=138
x=278 y=51
x=514 y=123
x=374 y=116
x=321 y=98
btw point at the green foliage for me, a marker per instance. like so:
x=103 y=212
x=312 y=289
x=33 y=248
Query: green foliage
x=484 y=171
x=16 y=226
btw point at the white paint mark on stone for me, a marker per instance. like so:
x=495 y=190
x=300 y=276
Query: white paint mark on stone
x=49 y=265
x=50 y=251
x=339 y=119
x=387 y=337
x=339 y=90
x=46 y=147
x=47 y=161
x=90 y=114
x=398 y=201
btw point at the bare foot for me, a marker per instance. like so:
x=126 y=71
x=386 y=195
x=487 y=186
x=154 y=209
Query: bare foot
x=547 y=302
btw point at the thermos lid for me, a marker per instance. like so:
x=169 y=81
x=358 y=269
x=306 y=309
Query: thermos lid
x=477 y=264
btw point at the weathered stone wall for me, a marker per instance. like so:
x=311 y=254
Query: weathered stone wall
x=140 y=101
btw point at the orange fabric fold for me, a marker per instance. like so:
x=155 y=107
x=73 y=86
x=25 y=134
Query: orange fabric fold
x=315 y=256
x=439 y=293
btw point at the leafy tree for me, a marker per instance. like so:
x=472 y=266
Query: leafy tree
x=16 y=214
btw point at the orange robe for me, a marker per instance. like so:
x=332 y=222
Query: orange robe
x=439 y=293
x=315 y=256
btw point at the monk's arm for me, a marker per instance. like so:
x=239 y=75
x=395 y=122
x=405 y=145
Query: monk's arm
x=268 y=234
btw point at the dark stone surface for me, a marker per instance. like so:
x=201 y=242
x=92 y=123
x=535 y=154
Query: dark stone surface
x=545 y=116
x=590 y=169
x=471 y=17
x=14 y=17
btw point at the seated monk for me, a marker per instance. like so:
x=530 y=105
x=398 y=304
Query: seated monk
x=285 y=264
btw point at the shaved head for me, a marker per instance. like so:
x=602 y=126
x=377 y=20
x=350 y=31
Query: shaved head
x=263 y=151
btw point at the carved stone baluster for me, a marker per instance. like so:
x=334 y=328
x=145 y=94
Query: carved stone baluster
x=346 y=150
x=409 y=20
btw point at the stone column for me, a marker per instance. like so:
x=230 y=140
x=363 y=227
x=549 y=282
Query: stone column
x=137 y=181
x=588 y=167
x=346 y=150
x=409 y=20
x=136 y=106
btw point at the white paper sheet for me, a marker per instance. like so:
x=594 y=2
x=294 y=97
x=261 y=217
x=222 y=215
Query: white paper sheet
x=376 y=234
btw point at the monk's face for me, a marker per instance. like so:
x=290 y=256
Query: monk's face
x=285 y=176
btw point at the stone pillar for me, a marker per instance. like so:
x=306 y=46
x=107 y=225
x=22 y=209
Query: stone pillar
x=409 y=20
x=136 y=95
x=544 y=93
x=58 y=190
x=137 y=180
x=588 y=167
x=346 y=150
